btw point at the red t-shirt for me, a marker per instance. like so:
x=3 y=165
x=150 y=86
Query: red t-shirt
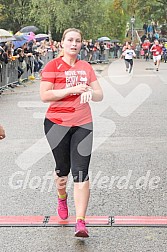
x=68 y=111
x=156 y=49
x=146 y=45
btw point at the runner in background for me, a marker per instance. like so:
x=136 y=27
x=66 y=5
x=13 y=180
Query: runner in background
x=146 y=46
x=128 y=55
x=164 y=49
x=157 y=51
x=69 y=84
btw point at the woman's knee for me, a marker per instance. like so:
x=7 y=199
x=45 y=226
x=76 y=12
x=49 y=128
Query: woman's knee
x=62 y=172
x=80 y=176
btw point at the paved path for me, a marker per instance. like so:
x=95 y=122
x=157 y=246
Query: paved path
x=128 y=166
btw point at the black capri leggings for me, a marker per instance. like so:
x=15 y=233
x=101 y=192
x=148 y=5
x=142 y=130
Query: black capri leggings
x=71 y=148
x=129 y=62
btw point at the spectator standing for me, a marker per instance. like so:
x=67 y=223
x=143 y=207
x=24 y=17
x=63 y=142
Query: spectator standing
x=150 y=31
x=90 y=48
x=164 y=49
x=102 y=48
x=145 y=26
x=19 y=54
x=4 y=53
x=137 y=50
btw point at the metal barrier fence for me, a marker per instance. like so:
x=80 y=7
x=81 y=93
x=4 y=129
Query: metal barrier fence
x=95 y=57
x=8 y=74
x=9 y=71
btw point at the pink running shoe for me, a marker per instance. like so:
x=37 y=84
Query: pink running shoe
x=80 y=229
x=62 y=208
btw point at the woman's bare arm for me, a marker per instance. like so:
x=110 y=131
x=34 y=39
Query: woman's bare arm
x=48 y=94
x=97 y=94
x=2 y=132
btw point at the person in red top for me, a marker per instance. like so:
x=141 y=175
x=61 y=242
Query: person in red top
x=146 y=45
x=157 y=51
x=69 y=85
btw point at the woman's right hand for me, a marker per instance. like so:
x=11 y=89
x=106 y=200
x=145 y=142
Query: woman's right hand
x=78 y=89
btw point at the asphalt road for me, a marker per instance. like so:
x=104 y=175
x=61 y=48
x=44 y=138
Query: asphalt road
x=128 y=166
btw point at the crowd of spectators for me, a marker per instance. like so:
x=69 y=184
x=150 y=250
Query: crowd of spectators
x=151 y=33
x=92 y=51
x=30 y=50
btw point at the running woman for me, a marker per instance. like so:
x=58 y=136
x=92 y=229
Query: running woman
x=69 y=84
x=157 y=51
x=128 y=55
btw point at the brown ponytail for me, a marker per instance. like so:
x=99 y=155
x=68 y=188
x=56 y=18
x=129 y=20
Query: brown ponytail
x=61 y=53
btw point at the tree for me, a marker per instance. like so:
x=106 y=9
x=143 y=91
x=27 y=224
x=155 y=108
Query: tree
x=15 y=13
x=115 y=21
x=60 y=15
x=43 y=12
x=94 y=18
x=150 y=10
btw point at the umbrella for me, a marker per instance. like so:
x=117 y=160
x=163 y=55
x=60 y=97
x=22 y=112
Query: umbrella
x=20 y=41
x=115 y=41
x=104 y=39
x=25 y=36
x=18 y=44
x=18 y=33
x=40 y=37
x=30 y=36
x=21 y=37
x=5 y=34
x=7 y=39
x=163 y=39
x=31 y=28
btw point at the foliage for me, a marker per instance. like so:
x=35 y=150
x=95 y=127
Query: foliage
x=15 y=13
x=155 y=10
x=60 y=15
x=94 y=18
x=116 y=19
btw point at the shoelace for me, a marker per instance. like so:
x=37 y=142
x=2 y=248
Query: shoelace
x=62 y=204
x=81 y=223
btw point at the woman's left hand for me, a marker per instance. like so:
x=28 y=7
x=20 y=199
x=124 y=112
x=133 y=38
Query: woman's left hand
x=86 y=96
x=2 y=132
